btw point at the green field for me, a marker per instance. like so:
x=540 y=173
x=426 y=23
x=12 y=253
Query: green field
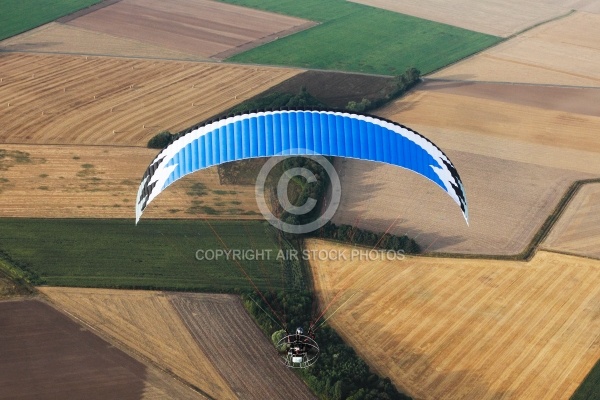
x=17 y=16
x=156 y=254
x=354 y=37
x=590 y=387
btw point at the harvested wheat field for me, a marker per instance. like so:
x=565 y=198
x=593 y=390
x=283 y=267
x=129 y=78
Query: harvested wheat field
x=561 y=52
x=102 y=182
x=578 y=229
x=513 y=122
x=96 y=100
x=46 y=355
x=207 y=340
x=66 y=39
x=469 y=329
x=498 y=18
x=517 y=155
x=508 y=202
x=237 y=348
x=201 y=27
x=147 y=323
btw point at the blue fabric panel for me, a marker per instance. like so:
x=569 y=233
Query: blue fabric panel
x=188 y=159
x=364 y=144
x=224 y=145
x=303 y=126
x=357 y=129
x=237 y=142
x=209 y=149
x=261 y=133
x=294 y=127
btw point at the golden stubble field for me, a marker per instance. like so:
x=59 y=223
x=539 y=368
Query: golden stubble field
x=147 y=323
x=561 y=52
x=73 y=131
x=516 y=152
x=97 y=100
x=578 y=229
x=468 y=329
x=102 y=181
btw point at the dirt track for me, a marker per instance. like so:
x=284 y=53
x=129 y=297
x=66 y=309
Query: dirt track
x=469 y=329
x=201 y=27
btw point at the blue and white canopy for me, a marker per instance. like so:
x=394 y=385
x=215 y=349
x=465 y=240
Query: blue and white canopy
x=299 y=132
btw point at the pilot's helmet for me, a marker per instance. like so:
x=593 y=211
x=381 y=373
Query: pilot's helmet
x=299 y=331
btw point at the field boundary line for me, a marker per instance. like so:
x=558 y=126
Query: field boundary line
x=567 y=253
x=80 y=13
x=123 y=347
x=508 y=83
x=504 y=40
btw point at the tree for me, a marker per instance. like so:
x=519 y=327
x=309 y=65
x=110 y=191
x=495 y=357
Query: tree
x=160 y=140
x=364 y=105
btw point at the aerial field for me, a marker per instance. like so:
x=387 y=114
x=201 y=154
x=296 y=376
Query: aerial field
x=488 y=16
x=353 y=37
x=97 y=100
x=202 y=28
x=65 y=39
x=147 y=323
x=578 y=229
x=518 y=116
x=561 y=52
x=237 y=348
x=517 y=153
x=508 y=202
x=47 y=355
x=18 y=16
x=209 y=341
x=102 y=182
x=155 y=254
x=469 y=329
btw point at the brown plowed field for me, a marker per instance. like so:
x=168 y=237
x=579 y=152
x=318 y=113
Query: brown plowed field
x=578 y=229
x=200 y=27
x=45 y=355
x=66 y=39
x=517 y=155
x=237 y=348
x=96 y=100
x=146 y=322
x=561 y=52
x=498 y=18
x=469 y=329
x=102 y=182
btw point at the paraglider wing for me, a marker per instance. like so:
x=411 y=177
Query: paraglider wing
x=299 y=132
